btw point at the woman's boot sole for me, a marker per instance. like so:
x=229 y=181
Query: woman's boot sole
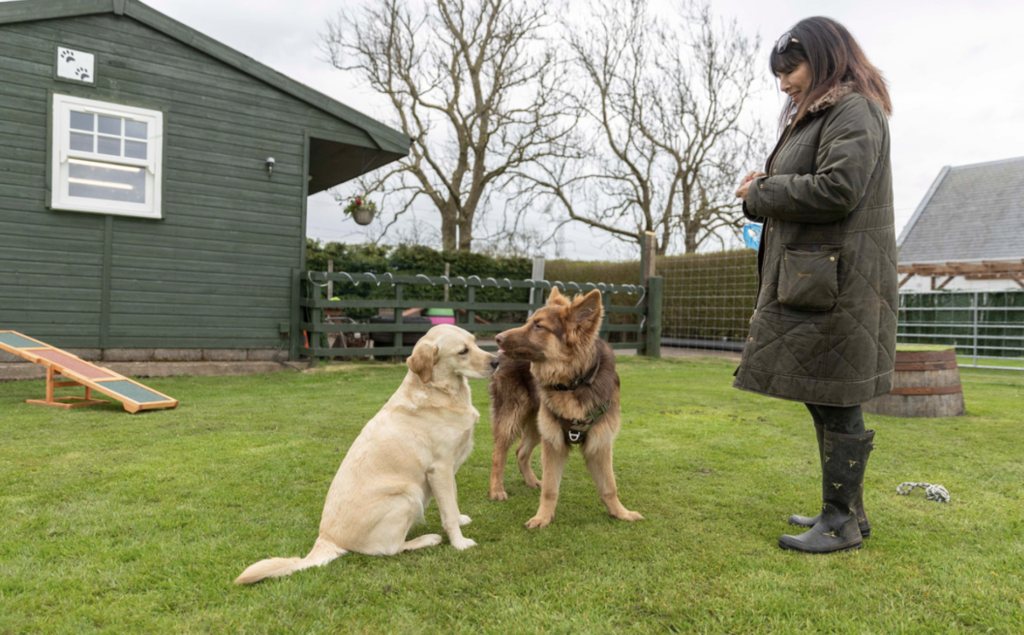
x=849 y=548
x=863 y=535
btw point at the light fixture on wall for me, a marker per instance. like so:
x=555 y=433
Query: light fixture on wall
x=270 y=166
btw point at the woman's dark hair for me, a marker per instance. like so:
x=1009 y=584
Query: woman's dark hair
x=834 y=58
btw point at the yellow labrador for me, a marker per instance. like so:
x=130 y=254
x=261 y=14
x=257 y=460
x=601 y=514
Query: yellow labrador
x=408 y=453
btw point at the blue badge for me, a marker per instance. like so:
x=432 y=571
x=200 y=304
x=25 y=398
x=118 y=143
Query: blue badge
x=752 y=235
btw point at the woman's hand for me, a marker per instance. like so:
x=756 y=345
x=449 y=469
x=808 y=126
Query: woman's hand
x=745 y=185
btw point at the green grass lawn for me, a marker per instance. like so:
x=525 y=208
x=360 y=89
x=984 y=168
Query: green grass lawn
x=119 y=523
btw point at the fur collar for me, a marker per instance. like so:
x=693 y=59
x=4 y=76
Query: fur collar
x=832 y=97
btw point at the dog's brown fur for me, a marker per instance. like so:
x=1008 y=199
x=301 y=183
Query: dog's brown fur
x=556 y=345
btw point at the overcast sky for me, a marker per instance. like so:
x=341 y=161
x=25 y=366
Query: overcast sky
x=954 y=69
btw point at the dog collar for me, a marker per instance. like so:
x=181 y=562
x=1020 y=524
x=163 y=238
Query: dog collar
x=586 y=378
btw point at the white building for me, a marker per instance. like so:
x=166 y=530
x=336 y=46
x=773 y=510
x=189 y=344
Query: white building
x=968 y=232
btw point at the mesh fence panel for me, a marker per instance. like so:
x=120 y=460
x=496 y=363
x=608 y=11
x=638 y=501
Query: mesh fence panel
x=708 y=299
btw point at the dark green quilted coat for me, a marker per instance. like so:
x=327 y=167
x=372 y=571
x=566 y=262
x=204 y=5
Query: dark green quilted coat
x=824 y=327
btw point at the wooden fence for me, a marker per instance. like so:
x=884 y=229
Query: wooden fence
x=309 y=304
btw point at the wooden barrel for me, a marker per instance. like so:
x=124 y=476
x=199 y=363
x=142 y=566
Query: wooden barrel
x=926 y=384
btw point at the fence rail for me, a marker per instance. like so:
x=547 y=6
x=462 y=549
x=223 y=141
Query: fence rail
x=309 y=305
x=985 y=326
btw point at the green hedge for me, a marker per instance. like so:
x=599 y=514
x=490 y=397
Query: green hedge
x=599 y=271
x=581 y=271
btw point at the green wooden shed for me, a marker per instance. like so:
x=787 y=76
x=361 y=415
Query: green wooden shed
x=153 y=183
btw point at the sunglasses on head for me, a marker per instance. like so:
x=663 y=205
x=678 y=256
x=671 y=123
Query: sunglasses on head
x=784 y=42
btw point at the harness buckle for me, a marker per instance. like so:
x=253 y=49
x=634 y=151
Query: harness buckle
x=574 y=436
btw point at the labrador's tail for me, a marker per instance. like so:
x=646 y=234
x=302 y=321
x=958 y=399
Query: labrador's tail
x=323 y=552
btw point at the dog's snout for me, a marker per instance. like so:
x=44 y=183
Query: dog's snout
x=494 y=362
x=499 y=339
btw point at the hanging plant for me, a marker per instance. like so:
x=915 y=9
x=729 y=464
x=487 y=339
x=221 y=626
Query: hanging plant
x=361 y=209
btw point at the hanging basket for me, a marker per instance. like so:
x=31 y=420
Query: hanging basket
x=363 y=216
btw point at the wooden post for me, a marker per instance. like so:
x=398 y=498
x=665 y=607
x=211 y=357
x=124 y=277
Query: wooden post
x=643 y=264
x=653 y=335
x=648 y=252
x=397 y=342
x=447 y=272
x=650 y=255
x=330 y=283
x=536 y=295
x=49 y=384
x=470 y=298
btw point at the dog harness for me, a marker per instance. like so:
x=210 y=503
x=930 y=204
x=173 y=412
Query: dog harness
x=575 y=430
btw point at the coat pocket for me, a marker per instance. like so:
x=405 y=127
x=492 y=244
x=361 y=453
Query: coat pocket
x=809 y=277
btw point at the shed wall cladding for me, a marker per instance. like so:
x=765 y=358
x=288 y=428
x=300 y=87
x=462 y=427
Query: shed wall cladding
x=215 y=271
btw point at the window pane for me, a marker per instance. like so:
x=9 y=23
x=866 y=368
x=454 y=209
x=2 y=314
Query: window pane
x=81 y=142
x=135 y=129
x=107 y=182
x=109 y=146
x=110 y=125
x=134 y=149
x=81 y=121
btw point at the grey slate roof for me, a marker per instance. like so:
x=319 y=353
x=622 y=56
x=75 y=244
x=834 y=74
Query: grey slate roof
x=972 y=212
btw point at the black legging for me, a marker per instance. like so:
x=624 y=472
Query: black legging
x=841 y=419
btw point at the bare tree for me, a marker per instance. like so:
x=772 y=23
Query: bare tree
x=664 y=135
x=471 y=82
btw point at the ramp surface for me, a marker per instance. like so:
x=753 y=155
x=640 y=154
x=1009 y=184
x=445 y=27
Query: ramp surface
x=78 y=372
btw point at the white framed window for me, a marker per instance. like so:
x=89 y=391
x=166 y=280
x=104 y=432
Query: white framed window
x=106 y=158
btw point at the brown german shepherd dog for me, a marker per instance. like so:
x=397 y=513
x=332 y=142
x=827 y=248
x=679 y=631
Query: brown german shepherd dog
x=556 y=386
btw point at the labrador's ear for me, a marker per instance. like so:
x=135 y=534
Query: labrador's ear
x=422 y=361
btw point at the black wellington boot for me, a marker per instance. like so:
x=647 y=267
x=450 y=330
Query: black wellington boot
x=862 y=518
x=843 y=464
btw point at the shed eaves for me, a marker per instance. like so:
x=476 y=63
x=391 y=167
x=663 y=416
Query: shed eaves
x=972 y=213
x=387 y=139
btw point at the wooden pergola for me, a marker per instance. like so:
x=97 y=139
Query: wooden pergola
x=985 y=270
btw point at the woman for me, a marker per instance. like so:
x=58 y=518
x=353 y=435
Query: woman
x=824 y=325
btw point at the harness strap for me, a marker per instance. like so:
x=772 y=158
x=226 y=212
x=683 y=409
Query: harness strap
x=575 y=430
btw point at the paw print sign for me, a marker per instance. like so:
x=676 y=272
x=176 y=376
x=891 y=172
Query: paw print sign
x=75 y=65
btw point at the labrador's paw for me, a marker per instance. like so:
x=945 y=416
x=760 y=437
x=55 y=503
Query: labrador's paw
x=463 y=543
x=499 y=495
x=630 y=516
x=538 y=522
x=431 y=540
x=464 y=520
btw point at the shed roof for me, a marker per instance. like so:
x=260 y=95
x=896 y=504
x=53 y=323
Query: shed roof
x=971 y=213
x=386 y=138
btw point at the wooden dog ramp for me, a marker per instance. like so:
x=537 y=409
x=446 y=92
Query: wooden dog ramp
x=75 y=371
